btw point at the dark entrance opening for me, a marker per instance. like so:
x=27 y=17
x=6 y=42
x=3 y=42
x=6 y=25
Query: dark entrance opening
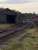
x=11 y=19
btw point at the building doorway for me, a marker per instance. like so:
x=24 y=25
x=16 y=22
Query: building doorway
x=11 y=19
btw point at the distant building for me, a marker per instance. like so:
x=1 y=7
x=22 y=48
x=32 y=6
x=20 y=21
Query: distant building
x=7 y=16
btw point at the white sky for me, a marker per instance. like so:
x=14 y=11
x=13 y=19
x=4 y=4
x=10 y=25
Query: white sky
x=20 y=5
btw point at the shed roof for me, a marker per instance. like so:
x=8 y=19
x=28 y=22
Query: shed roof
x=7 y=11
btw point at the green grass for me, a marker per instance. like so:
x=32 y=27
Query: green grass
x=5 y=26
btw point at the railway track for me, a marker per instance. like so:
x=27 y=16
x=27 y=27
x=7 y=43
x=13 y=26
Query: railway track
x=7 y=34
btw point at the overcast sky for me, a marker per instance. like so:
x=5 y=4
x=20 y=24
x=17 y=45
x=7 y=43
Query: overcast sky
x=20 y=5
x=17 y=1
